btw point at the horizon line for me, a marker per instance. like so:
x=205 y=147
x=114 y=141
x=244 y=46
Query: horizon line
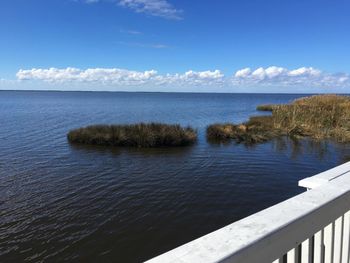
x=180 y=92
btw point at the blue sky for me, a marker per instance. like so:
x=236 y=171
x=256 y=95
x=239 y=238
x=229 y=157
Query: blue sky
x=173 y=45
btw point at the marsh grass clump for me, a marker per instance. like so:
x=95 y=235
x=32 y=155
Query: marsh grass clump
x=257 y=129
x=265 y=107
x=134 y=135
x=319 y=117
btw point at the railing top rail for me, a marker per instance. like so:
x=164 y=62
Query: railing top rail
x=324 y=177
x=266 y=235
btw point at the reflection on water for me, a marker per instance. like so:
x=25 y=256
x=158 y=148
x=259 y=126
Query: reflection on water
x=62 y=202
x=296 y=148
x=346 y=158
x=176 y=151
x=305 y=146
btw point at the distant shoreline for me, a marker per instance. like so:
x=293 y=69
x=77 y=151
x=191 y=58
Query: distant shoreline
x=173 y=92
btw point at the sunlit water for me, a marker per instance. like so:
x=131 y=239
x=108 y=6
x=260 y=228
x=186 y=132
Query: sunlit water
x=94 y=204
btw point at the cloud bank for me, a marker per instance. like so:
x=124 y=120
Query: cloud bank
x=119 y=77
x=273 y=76
x=279 y=76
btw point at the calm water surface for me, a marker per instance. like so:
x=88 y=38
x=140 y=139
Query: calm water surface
x=60 y=202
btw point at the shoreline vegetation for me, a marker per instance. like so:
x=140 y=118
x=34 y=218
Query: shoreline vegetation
x=318 y=117
x=145 y=135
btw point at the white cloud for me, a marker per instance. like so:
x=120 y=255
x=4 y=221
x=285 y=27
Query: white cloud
x=242 y=73
x=160 y=8
x=104 y=75
x=304 y=72
x=278 y=76
x=204 y=74
x=268 y=73
x=118 y=76
x=259 y=73
x=112 y=75
x=273 y=72
x=277 y=79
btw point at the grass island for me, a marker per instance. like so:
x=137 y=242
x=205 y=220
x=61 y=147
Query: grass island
x=318 y=116
x=144 y=135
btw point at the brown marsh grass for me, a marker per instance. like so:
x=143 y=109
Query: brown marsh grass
x=265 y=107
x=135 y=135
x=257 y=129
x=319 y=116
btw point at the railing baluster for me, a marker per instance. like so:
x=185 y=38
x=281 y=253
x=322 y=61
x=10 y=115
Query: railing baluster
x=346 y=238
x=306 y=251
x=292 y=255
x=338 y=240
x=318 y=247
x=329 y=243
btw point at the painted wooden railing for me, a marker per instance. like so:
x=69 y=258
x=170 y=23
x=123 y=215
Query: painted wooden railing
x=311 y=227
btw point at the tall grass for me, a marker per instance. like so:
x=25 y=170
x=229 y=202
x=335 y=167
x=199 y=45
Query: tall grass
x=320 y=117
x=134 y=135
x=257 y=129
x=265 y=107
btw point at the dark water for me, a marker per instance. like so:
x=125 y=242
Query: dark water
x=73 y=203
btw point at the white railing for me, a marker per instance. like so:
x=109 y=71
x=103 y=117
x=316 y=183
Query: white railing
x=311 y=227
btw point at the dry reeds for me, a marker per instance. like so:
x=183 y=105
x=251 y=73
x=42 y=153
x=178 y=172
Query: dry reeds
x=320 y=117
x=134 y=135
